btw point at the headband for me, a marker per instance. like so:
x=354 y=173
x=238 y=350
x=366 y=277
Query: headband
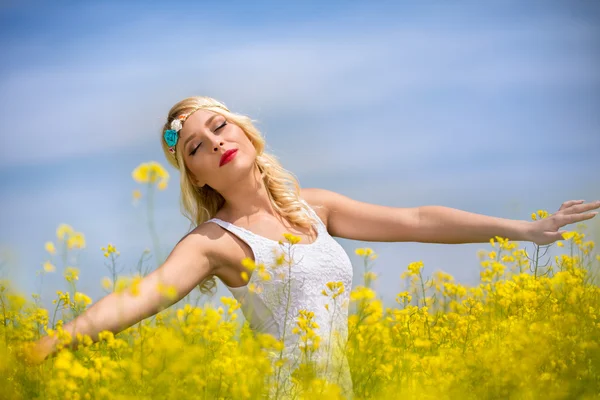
x=172 y=135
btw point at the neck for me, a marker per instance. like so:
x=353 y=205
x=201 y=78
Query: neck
x=249 y=198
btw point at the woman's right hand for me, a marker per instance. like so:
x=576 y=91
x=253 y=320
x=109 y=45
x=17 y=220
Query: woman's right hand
x=35 y=353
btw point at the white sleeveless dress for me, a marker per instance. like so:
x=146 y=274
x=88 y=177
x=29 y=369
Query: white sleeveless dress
x=296 y=288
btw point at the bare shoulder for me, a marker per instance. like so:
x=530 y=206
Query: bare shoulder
x=317 y=199
x=207 y=239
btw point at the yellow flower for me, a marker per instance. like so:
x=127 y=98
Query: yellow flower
x=422 y=343
x=248 y=263
x=568 y=235
x=280 y=259
x=169 y=292
x=370 y=276
x=262 y=272
x=135 y=286
x=71 y=274
x=361 y=293
x=122 y=283
x=63 y=231
x=363 y=251
x=137 y=195
x=337 y=288
x=254 y=288
x=76 y=240
x=108 y=250
x=415 y=267
x=48 y=267
x=540 y=213
x=50 y=247
x=82 y=299
x=150 y=172
x=62 y=297
x=366 y=252
x=291 y=238
x=403 y=295
x=162 y=185
x=106 y=283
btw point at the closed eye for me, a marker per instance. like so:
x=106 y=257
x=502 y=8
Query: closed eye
x=196 y=148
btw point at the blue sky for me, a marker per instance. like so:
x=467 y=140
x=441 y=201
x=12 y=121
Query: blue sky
x=489 y=107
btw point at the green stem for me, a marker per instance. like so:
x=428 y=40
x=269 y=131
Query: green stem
x=54 y=315
x=4 y=320
x=151 y=227
x=468 y=331
x=140 y=332
x=286 y=317
x=537 y=252
x=329 y=341
x=425 y=305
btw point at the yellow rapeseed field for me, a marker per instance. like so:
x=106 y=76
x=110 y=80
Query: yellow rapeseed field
x=529 y=330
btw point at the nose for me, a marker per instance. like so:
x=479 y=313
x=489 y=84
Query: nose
x=215 y=140
x=220 y=144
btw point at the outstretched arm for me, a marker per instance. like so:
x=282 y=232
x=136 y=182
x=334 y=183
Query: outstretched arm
x=187 y=265
x=352 y=219
x=448 y=225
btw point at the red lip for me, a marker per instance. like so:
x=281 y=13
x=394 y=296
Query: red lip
x=227 y=156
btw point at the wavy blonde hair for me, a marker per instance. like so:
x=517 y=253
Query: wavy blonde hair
x=199 y=204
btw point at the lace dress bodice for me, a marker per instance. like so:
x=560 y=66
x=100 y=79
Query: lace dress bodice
x=273 y=305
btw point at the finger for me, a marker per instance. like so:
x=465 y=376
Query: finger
x=582 y=208
x=572 y=218
x=554 y=236
x=550 y=237
x=569 y=203
x=560 y=235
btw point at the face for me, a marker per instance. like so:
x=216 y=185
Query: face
x=204 y=138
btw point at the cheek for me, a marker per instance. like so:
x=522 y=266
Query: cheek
x=197 y=165
x=245 y=141
x=202 y=166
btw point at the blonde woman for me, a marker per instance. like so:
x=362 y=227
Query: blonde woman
x=241 y=202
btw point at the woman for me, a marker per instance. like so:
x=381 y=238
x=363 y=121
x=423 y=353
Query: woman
x=242 y=201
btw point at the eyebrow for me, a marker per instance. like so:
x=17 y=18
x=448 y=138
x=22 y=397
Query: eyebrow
x=208 y=121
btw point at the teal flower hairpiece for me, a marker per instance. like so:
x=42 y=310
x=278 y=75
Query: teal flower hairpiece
x=172 y=135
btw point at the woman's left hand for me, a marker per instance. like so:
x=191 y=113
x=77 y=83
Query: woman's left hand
x=546 y=231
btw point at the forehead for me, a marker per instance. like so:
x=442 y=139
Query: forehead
x=200 y=116
x=196 y=121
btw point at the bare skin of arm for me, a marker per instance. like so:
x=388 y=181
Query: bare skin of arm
x=187 y=265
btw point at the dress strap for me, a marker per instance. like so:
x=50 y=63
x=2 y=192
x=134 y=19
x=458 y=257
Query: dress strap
x=320 y=223
x=255 y=242
x=242 y=233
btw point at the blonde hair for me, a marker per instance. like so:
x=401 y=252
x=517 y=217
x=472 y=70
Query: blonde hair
x=199 y=204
